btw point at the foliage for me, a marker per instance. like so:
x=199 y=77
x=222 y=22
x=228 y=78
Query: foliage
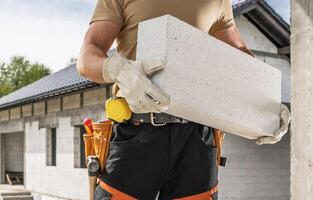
x=19 y=73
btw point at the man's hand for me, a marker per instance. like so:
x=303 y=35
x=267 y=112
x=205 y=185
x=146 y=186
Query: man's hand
x=131 y=77
x=284 y=124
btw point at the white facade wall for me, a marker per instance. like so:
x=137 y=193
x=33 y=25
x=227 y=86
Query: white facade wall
x=284 y=66
x=62 y=180
x=253 y=37
x=254 y=172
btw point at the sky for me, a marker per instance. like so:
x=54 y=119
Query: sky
x=52 y=31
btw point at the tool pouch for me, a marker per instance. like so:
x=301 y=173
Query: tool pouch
x=89 y=146
x=101 y=140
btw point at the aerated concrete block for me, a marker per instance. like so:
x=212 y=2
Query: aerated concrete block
x=94 y=97
x=27 y=110
x=71 y=101
x=54 y=105
x=211 y=82
x=39 y=108
x=4 y=115
x=15 y=113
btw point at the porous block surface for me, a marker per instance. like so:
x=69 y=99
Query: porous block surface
x=211 y=82
x=71 y=101
x=15 y=113
x=94 y=97
x=4 y=115
x=39 y=108
x=54 y=105
x=27 y=110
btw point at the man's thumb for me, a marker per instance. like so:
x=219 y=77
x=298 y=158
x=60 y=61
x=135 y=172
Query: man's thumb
x=153 y=64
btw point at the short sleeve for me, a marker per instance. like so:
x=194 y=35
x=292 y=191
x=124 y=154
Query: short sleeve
x=226 y=18
x=108 y=10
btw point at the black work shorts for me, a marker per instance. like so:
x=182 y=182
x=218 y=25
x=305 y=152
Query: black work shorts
x=172 y=161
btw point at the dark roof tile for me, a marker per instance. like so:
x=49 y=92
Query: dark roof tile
x=62 y=80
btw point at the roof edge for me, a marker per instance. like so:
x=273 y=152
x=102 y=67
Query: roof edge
x=266 y=19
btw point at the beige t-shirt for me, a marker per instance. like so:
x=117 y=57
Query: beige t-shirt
x=207 y=15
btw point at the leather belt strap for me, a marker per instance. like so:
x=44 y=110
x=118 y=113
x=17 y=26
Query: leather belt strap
x=156 y=119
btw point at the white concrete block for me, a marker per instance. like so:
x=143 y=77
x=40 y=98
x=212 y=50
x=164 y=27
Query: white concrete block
x=209 y=81
x=63 y=180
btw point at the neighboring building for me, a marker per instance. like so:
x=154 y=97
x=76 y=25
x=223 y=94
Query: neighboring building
x=41 y=125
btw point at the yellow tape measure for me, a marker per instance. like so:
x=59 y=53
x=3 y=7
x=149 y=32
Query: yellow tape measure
x=117 y=109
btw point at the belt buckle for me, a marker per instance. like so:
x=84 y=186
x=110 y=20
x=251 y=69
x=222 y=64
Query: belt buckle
x=152 y=117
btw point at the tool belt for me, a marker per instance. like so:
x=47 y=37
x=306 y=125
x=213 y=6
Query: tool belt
x=97 y=142
x=156 y=119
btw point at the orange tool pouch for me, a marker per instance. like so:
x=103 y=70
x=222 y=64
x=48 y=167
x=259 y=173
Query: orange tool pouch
x=98 y=143
x=219 y=139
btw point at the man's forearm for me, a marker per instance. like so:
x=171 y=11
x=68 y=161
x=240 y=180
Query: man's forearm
x=98 y=40
x=90 y=63
x=232 y=37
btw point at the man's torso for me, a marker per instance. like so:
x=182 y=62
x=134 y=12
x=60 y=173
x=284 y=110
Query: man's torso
x=200 y=14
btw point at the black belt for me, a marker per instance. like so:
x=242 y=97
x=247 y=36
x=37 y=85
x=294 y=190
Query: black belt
x=156 y=119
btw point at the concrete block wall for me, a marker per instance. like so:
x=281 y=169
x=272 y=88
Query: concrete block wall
x=15 y=113
x=255 y=172
x=284 y=66
x=11 y=126
x=39 y=108
x=93 y=97
x=4 y=115
x=54 y=105
x=27 y=110
x=253 y=37
x=77 y=150
x=71 y=101
x=62 y=180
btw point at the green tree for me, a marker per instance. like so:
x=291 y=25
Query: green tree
x=5 y=87
x=19 y=73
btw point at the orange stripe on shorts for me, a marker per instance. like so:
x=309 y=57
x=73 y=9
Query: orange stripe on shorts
x=202 y=196
x=116 y=194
